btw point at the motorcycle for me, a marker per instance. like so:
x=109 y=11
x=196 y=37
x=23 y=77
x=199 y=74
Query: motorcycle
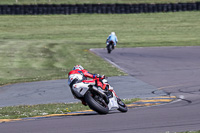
x=110 y=46
x=99 y=100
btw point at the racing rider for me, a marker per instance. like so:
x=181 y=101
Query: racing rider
x=112 y=37
x=80 y=75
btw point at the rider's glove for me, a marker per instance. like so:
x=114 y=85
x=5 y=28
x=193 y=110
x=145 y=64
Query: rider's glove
x=100 y=76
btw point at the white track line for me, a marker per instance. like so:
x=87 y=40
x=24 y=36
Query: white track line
x=115 y=65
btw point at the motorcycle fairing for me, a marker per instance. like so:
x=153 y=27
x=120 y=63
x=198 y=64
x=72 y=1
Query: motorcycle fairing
x=113 y=105
x=80 y=89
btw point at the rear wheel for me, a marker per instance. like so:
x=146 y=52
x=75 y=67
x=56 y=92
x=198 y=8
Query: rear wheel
x=109 y=48
x=96 y=103
x=122 y=106
x=113 y=46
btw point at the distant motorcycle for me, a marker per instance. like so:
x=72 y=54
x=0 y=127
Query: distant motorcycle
x=99 y=100
x=110 y=46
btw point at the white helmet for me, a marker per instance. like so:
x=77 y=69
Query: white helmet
x=78 y=67
x=105 y=81
x=112 y=33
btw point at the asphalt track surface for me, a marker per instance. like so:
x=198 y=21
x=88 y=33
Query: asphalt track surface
x=58 y=91
x=175 y=70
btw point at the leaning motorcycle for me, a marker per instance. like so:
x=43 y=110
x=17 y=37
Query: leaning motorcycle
x=110 y=46
x=99 y=100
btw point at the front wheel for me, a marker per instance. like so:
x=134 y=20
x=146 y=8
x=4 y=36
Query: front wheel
x=122 y=106
x=96 y=103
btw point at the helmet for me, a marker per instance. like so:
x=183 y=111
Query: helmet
x=105 y=81
x=112 y=33
x=78 y=67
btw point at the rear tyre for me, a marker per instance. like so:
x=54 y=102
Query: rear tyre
x=113 y=46
x=96 y=103
x=109 y=48
x=122 y=106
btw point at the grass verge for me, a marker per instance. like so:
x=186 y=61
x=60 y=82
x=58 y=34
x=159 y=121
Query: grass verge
x=14 y=112
x=46 y=47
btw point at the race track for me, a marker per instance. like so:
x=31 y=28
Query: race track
x=175 y=70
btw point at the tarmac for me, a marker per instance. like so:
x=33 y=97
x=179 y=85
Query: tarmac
x=58 y=91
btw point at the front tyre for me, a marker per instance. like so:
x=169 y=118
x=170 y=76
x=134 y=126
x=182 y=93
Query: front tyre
x=122 y=106
x=96 y=103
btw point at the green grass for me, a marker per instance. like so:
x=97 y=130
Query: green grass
x=14 y=112
x=89 y=1
x=44 y=47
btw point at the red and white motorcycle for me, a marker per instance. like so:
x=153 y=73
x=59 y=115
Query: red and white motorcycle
x=99 y=100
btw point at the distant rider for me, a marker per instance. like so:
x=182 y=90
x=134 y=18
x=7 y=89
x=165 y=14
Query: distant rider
x=112 y=37
x=79 y=75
